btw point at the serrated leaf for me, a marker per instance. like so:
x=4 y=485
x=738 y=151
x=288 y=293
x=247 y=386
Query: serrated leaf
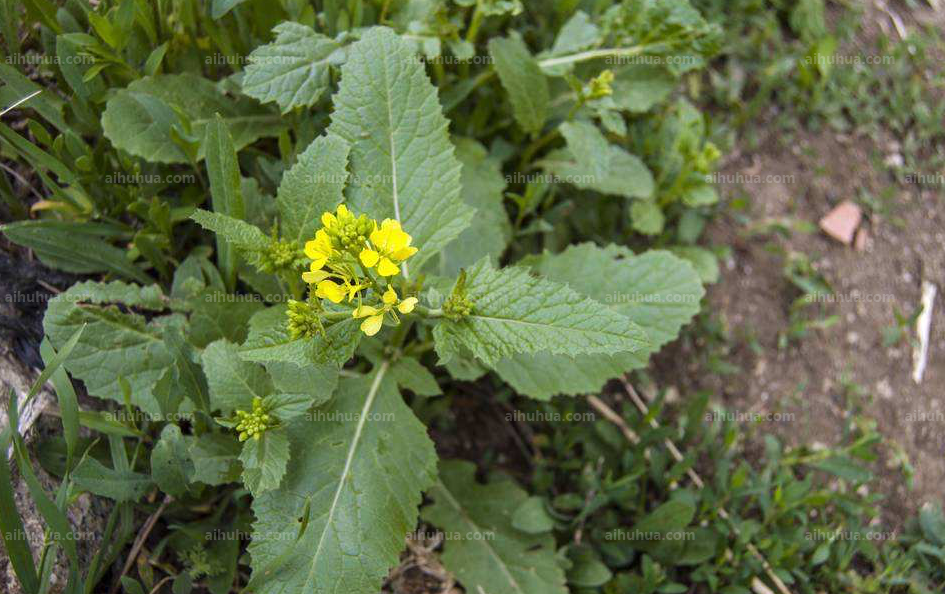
x=171 y=465
x=115 y=344
x=292 y=70
x=233 y=382
x=318 y=382
x=515 y=312
x=639 y=87
x=142 y=117
x=493 y=556
x=483 y=189
x=121 y=485
x=74 y=247
x=238 y=233
x=411 y=375
x=579 y=33
x=704 y=261
x=592 y=163
x=269 y=340
x=402 y=162
x=216 y=315
x=647 y=217
x=215 y=458
x=358 y=470
x=314 y=185
x=265 y=460
x=658 y=291
x=523 y=80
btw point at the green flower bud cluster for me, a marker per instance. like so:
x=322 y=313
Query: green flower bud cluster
x=304 y=320
x=253 y=423
x=281 y=255
x=347 y=232
x=199 y=564
x=458 y=305
x=600 y=85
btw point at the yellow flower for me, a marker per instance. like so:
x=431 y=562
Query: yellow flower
x=319 y=249
x=314 y=275
x=330 y=290
x=391 y=246
x=375 y=317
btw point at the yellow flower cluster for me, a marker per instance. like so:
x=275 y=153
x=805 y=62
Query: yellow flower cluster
x=347 y=252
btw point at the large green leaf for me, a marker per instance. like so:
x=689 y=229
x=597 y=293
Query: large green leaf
x=349 y=497
x=241 y=234
x=592 y=163
x=73 y=247
x=292 y=70
x=492 y=556
x=657 y=290
x=223 y=169
x=523 y=80
x=144 y=118
x=515 y=312
x=115 y=345
x=402 y=161
x=314 y=185
x=233 y=382
x=483 y=187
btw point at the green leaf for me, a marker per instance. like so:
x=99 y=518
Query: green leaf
x=592 y=163
x=318 y=382
x=73 y=247
x=483 y=189
x=265 y=460
x=223 y=169
x=523 y=80
x=647 y=217
x=292 y=70
x=65 y=392
x=675 y=514
x=402 y=162
x=704 y=261
x=657 y=291
x=492 y=556
x=216 y=315
x=234 y=231
x=144 y=117
x=314 y=185
x=116 y=345
x=639 y=87
x=233 y=382
x=171 y=465
x=11 y=526
x=411 y=375
x=579 y=33
x=215 y=459
x=932 y=522
x=515 y=312
x=532 y=517
x=269 y=340
x=358 y=470
x=587 y=570
x=90 y=475
x=16 y=87
x=219 y=8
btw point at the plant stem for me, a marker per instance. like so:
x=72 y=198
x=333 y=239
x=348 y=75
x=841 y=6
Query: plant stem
x=593 y=55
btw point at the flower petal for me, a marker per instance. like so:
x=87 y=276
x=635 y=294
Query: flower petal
x=369 y=257
x=387 y=268
x=363 y=311
x=330 y=290
x=314 y=276
x=390 y=296
x=404 y=253
x=372 y=325
x=406 y=306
